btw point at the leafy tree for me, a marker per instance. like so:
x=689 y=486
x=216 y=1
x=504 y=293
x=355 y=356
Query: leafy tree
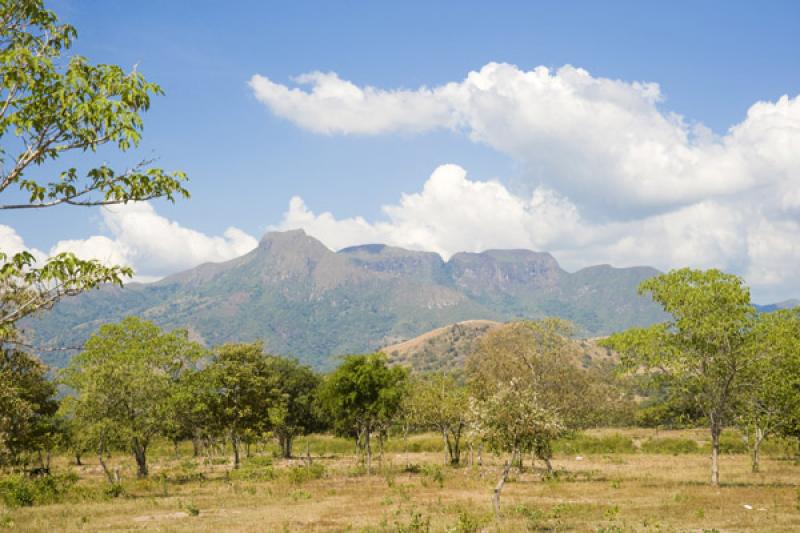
x=361 y=396
x=440 y=402
x=124 y=381
x=27 y=406
x=513 y=420
x=772 y=402
x=293 y=412
x=50 y=106
x=539 y=357
x=703 y=347
x=241 y=389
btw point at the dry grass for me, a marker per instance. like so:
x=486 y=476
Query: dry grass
x=596 y=492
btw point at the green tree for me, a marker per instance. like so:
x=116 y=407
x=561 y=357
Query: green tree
x=51 y=105
x=703 y=347
x=361 y=396
x=242 y=388
x=441 y=402
x=772 y=402
x=124 y=381
x=540 y=357
x=293 y=412
x=512 y=419
x=27 y=407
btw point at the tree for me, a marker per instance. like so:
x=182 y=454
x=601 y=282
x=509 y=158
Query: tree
x=440 y=402
x=124 y=381
x=513 y=420
x=242 y=388
x=537 y=356
x=704 y=345
x=293 y=412
x=772 y=402
x=361 y=396
x=50 y=107
x=27 y=407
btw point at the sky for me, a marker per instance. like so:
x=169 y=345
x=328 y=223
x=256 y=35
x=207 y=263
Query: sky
x=627 y=133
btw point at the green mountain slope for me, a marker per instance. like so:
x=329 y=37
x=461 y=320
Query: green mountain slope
x=303 y=299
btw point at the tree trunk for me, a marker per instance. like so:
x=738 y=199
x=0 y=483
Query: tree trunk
x=140 y=454
x=286 y=446
x=235 y=442
x=195 y=447
x=405 y=444
x=716 y=429
x=498 y=488
x=369 y=453
x=175 y=448
x=78 y=459
x=756 y=450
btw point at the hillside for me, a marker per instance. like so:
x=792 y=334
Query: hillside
x=305 y=300
x=448 y=347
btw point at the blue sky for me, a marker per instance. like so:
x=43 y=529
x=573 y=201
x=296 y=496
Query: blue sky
x=246 y=158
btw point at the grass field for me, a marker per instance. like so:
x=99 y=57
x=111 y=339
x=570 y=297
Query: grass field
x=607 y=481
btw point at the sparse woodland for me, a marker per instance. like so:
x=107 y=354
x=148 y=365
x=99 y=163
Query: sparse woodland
x=696 y=425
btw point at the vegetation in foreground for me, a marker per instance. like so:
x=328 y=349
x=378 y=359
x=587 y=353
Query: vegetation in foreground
x=603 y=480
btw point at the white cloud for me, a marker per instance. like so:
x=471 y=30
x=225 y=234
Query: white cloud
x=605 y=144
x=12 y=243
x=154 y=245
x=453 y=213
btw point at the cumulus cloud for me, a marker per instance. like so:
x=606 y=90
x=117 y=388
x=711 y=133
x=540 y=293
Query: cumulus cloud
x=454 y=213
x=154 y=245
x=606 y=144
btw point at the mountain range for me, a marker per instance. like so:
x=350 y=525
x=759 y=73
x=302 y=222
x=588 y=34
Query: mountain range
x=306 y=300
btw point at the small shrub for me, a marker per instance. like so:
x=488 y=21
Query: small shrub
x=671 y=446
x=300 y=494
x=253 y=472
x=114 y=491
x=434 y=473
x=469 y=523
x=192 y=509
x=412 y=469
x=21 y=491
x=416 y=524
x=731 y=443
x=301 y=474
x=581 y=443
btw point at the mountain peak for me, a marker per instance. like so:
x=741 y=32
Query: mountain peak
x=285 y=236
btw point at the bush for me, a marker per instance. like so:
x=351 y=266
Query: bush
x=581 y=443
x=671 y=446
x=251 y=472
x=301 y=474
x=732 y=443
x=21 y=491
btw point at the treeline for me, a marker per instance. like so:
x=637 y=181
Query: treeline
x=716 y=362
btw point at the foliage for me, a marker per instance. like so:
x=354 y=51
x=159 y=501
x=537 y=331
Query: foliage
x=361 y=396
x=703 y=347
x=124 y=382
x=293 y=412
x=27 y=406
x=772 y=403
x=439 y=401
x=238 y=389
x=22 y=491
x=513 y=419
x=50 y=106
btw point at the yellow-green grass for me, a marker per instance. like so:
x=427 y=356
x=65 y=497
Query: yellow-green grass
x=595 y=491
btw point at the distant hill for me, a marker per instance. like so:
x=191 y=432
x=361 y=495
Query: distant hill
x=443 y=348
x=305 y=300
x=447 y=348
x=786 y=304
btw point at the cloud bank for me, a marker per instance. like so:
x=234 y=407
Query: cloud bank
x=604 y=143
x=154 y=245
x=611 y=177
